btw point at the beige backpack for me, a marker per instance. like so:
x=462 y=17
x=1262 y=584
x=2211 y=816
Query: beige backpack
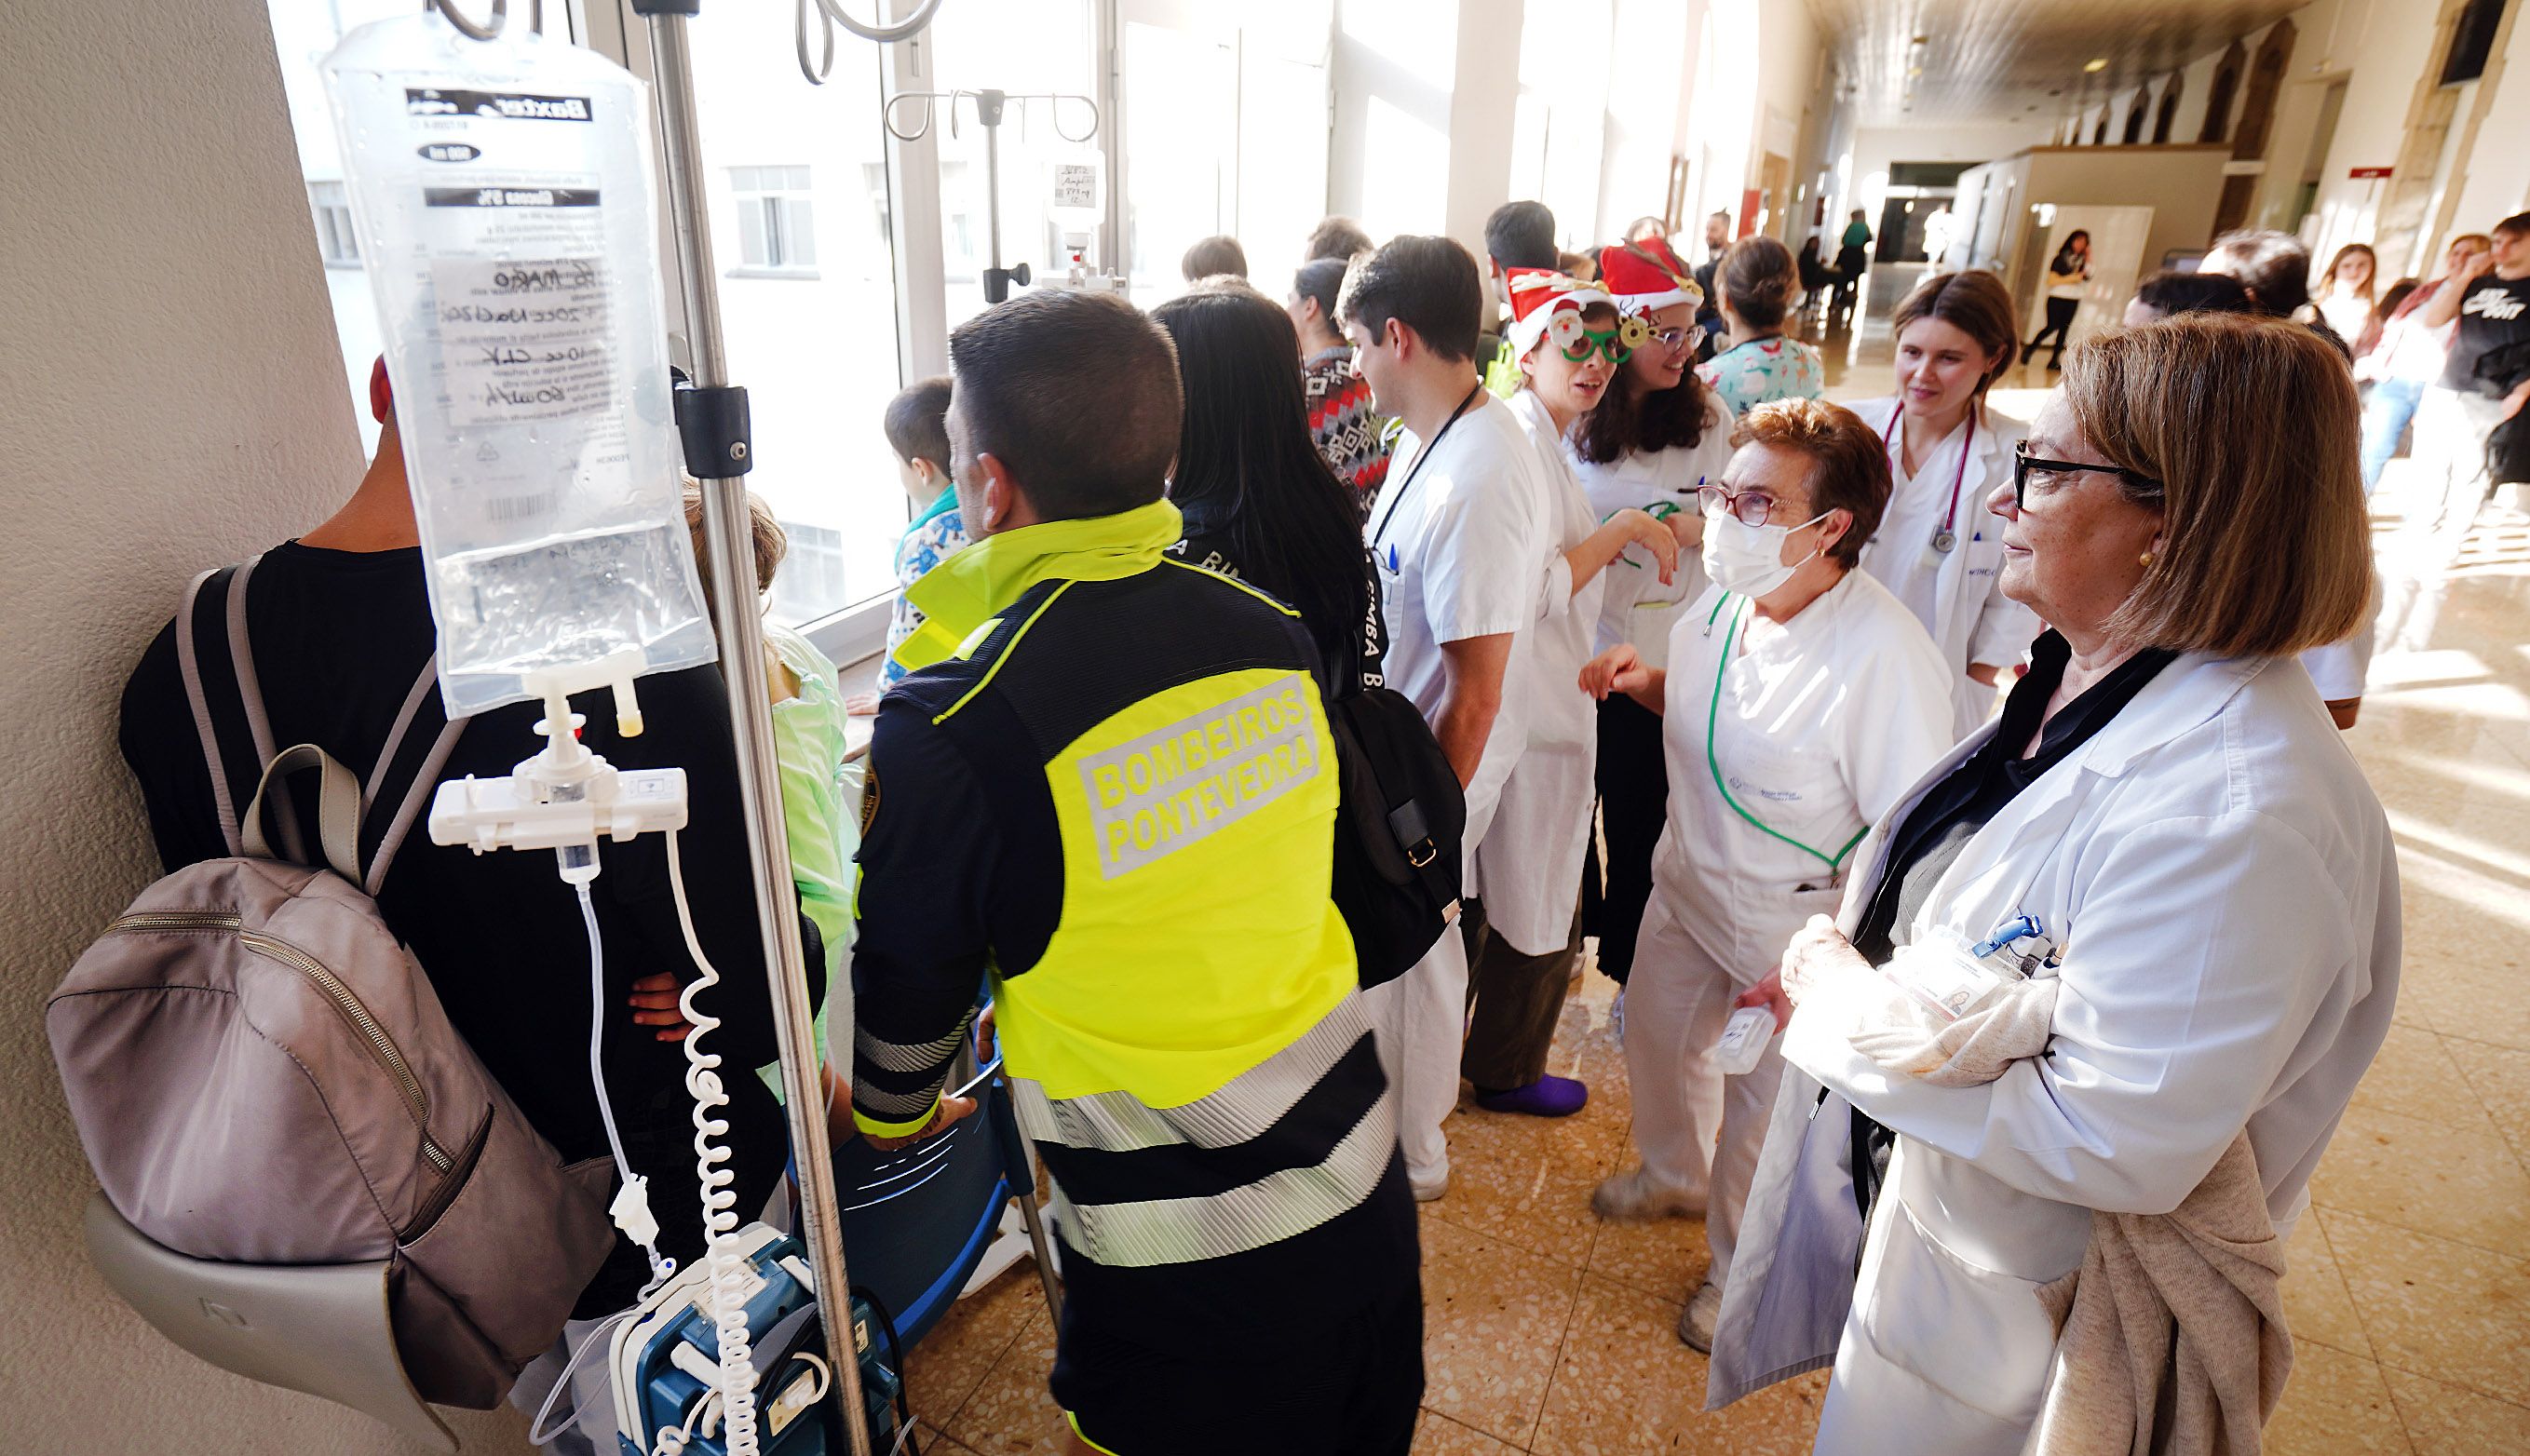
x=261 y=1074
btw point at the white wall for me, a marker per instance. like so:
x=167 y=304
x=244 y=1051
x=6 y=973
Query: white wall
x=176 y=400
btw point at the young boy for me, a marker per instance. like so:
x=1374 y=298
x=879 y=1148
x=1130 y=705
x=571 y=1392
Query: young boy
x=917 y=430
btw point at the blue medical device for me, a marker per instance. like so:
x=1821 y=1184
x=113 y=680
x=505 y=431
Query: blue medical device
x=666 y=1363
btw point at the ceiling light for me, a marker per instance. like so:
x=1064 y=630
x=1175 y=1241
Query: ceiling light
x=2096 y=66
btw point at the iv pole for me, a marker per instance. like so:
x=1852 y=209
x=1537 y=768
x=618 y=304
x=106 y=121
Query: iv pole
x=751 y=713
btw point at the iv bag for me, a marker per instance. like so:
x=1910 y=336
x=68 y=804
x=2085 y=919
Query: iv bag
x=503 y=196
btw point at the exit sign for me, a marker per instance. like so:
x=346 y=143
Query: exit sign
x=2367 y=174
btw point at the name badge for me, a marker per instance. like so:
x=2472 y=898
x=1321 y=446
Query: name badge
x=1944 y=973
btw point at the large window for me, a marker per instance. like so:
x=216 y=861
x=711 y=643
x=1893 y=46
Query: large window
x=1560 y=121
x=1216 y=122
x=797 y=192
x=1019 y=48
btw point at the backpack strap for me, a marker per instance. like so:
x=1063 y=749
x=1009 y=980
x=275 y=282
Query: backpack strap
x=258 y=722
x=338 y=808
x=424 y=780
x=189 y=665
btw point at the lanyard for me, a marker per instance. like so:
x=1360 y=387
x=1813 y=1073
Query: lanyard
x=1944 y=538
x=1713 y=761
x=1380 y=531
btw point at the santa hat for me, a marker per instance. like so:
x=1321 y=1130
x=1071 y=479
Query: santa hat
x=1646 y=274
x=1539 y=296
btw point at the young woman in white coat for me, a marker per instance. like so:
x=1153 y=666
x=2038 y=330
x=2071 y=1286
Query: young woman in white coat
x=1798 y=699
x=2165 y=822
x=1937 y=548
x=1569 y=341
x=1659 y=435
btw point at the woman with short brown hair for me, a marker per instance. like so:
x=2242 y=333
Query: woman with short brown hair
x=2163 y=835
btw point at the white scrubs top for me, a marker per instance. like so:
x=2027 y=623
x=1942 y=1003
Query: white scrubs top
x=1459 y=544
x=1636 y=607
x=1957 y=594
x=1822 y=721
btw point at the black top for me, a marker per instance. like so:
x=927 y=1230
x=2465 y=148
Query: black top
x=963 y=869
x=1951 y=811
x=1929 y=840
x=2494 y=312
x=1360 y=646
x=339 y=637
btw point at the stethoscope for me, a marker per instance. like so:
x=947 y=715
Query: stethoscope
x=1944 y=540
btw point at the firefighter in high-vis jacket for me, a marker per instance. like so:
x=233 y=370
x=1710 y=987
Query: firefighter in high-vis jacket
x=1107 y=789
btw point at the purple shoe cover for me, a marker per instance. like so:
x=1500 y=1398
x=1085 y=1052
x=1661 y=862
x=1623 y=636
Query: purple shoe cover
x=1547 y=1096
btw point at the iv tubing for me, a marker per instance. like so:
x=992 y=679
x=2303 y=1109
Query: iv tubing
x=660 y=1266
x=728 y=1270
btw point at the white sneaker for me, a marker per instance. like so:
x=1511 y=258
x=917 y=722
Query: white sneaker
x=1703 y=1312
x=1637 y=1196
x=1431 y=1189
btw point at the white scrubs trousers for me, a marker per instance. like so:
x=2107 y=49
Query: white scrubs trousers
x=1697 y=1130
x=1421 y=1018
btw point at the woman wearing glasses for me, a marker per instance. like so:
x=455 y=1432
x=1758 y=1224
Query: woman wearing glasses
x=2164 y=825
x=1658 y=435
x=1936 y=549
x=1571 y=343
x=1798 y=699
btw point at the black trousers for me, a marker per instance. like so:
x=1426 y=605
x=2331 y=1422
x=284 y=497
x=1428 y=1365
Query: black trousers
x=2060 y=318
x=1633 y=806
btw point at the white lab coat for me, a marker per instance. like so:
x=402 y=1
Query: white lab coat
x=1528 y=869
x=1957 y=594
x=2223 y=885
x=1459 y=545
x=1636 y=607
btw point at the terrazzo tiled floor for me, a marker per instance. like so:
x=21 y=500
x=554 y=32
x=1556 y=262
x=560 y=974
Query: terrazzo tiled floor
x=1550 y=1331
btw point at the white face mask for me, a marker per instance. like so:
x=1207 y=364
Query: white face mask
x=1749 y=559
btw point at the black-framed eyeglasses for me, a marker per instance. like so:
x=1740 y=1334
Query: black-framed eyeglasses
x=2025 y=464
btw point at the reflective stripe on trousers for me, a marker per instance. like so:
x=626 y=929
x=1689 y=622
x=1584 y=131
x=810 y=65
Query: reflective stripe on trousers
x=1274 y=1207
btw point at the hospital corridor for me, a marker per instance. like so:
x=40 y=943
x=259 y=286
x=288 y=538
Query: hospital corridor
x=1265 y=728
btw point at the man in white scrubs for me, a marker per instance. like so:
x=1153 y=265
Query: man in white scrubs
x=1458 y=535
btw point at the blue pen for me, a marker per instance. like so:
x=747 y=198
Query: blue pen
x=1392 y=558
x=2018 y=928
